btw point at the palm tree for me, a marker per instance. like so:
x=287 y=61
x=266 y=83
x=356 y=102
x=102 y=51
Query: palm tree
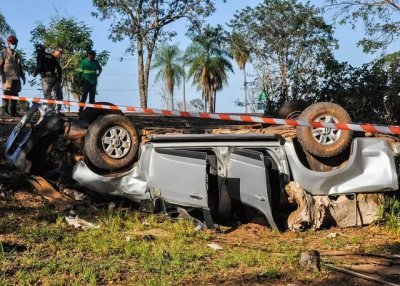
x=5 y=29
x=168 y=61
x=208 y=64
x=241 y=54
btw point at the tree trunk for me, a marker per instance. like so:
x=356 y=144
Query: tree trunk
x=172 y=101
x=142 y=82
x=184 y=94
x=245 y=91
x=214 y=101
x=150 y=49
x=284 y=81
x=321 y=211
x=210 y=103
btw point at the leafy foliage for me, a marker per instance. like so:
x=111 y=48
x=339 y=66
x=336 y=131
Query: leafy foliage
x=168 y=62
x=5 y=29
x=144 y=24
x=240 y=51
x=287 y=41
x=74 y=39
x=381 y=19
x=209 y=62
x=197 y=105
x=370 y=93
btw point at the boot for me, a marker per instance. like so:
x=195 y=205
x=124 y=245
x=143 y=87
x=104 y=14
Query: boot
x=4 y=111
x=13 y=109
x=4 y=107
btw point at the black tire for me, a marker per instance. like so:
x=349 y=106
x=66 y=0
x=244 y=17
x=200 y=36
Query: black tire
x=99 y=149
x=90 y=114
x=320 y=143
x=291 y=109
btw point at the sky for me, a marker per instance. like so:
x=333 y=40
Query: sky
x=118 y=83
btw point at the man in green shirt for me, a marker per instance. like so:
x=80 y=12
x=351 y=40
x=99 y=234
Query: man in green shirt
x=90 y=70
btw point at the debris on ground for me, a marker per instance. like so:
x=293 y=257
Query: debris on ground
x=45 y=189
x=183 y=214
x=333 y=235
x=80 y=223
x=360 y=275
x=214 y=246
x=77 y=196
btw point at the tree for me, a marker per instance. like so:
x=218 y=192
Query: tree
x=144 y=24
x=197 y=105
x=380 y=18
x=287 y=41
x=208 y=63
x=74 y=39
x=5 y=29
x=369 y=93
x=167 y=61
x=241 y=52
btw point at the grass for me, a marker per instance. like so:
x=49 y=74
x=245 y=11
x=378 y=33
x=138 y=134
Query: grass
x=38 y=247
x=390 y=213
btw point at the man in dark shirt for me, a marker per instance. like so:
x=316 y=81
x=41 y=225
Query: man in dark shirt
x=49 y=68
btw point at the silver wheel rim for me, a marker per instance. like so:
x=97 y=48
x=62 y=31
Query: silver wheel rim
x=326 y=136
x=116 y=142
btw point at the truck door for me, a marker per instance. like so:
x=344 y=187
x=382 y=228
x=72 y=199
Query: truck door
x=179 y=176
x=248 y=180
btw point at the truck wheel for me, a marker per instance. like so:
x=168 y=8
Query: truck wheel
x=291 y=109
x=90 y=114
x=111 y=143
x=324 y=142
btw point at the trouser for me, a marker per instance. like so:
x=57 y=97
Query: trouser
x=51 y=85
x=88 y=89
x=10 y=103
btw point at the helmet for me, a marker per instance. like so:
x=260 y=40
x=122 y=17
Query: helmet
x=12 y=40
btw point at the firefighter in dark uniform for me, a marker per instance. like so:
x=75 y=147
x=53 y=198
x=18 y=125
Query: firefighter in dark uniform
x=49 y=68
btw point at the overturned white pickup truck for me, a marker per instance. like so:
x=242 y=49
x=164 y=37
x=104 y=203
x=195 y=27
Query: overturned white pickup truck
x=218 y=173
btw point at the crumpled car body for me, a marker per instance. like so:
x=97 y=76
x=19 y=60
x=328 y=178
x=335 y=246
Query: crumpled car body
x=252 y=169
x=210 y=171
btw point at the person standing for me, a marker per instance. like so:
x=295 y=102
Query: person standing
x=90 y=70
x=11 y=74
x=49 y=68
x=58 y=86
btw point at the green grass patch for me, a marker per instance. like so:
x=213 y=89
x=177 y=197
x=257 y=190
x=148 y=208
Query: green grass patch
x=390 y=213
x=128 y=248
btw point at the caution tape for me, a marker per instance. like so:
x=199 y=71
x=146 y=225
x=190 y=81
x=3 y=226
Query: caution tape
x=390 y=129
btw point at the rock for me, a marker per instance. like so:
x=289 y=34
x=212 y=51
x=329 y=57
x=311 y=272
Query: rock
x=310 y=260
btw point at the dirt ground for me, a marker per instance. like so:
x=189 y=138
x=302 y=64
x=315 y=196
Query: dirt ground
x=251 y=254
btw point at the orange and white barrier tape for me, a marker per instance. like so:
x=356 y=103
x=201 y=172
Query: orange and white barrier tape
x=390 y=129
